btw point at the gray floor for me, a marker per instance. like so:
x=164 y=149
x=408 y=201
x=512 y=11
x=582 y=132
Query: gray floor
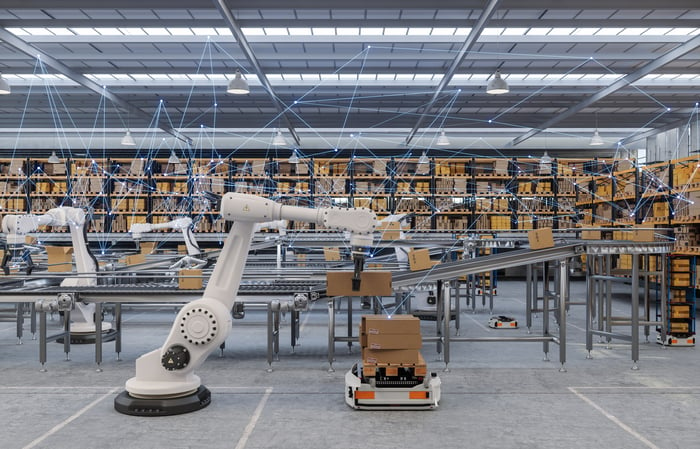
x=496 y=395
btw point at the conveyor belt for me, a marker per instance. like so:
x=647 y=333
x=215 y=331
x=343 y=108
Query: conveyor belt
x=453 y=270
x=155 y=292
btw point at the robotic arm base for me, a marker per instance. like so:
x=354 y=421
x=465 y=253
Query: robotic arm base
x=135 y=406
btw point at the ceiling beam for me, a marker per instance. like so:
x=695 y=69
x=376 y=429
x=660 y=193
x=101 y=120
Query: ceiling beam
x=473 y=36
x=661 y=61
x=282 y=109
x=30 y=50
x=653 y=132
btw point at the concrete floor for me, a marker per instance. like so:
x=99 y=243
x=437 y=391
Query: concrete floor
x=496 y=395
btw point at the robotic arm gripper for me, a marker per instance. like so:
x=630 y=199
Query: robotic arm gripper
x=165 y=383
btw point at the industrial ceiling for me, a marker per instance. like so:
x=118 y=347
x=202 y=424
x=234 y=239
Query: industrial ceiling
x=366 y=77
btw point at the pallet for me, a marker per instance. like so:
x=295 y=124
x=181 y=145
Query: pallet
x=393 y=369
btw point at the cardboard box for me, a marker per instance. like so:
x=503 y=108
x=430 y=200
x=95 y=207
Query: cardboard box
x=148 y=247
x=331 y=254
x=591 y=235
x=391 y=341
x=383 y=325
x=390 y=230
x=372 y=283
x=642 y=235
x=679 y=327
x=680 y=312
x=392 y=356
x=540 y=238
x=60 y=258
x=189 y=280
x=135 y=259
x=419 y=259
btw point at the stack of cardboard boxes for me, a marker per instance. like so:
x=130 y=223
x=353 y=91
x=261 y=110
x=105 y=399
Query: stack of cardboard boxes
x=391 y=343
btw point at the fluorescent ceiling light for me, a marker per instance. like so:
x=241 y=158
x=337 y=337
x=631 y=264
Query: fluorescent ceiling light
x=441 y=31
x=156 y=31
x=253 y=31
x=609 y=31
x=585 y=31
x=419 y=31
x=633 y=31
x=109 y=31
x=347 y=31
x=371 y=31
x=323 y=31
x=132 y=31
x=61 y=31
x=561 y=31
x=270 y=31
x=492 y=31
x=300 y=32
x=181 y=31
x=395 y=31
x=514 y=31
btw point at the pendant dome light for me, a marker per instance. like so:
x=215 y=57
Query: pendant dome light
x=127 y=140
x=497 y=85
x=238 y=85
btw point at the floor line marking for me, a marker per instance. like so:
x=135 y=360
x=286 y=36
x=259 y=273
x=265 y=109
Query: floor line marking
x=478 y=323
x=641 y=387
x=614 y=419
x=254 y=419
x=110 y=388
x=70 y=419
x=306 y=318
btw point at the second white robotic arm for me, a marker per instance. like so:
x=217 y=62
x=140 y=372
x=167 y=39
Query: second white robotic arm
x=183 y=224
x=16 y=227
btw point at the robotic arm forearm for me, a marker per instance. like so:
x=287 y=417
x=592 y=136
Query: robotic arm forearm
x=183 y=224
x=359 y=222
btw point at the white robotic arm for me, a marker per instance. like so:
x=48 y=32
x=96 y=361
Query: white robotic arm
x=165 y=382
x=183 y=224
x=16 y=227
